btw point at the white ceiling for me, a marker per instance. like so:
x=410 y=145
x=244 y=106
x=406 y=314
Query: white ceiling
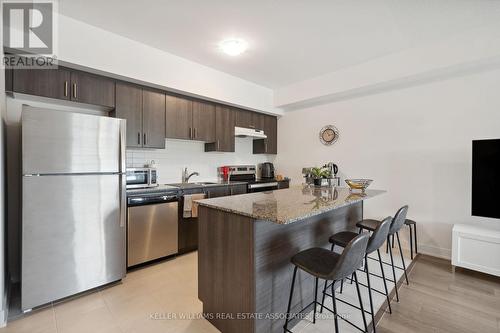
x=289 y=40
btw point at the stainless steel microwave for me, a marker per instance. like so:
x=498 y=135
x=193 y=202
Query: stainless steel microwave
x=141 y=177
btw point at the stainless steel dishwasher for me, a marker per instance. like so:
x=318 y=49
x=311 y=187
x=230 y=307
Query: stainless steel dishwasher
x=152 y=228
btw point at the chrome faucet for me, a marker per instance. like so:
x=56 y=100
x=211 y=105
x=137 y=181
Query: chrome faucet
x=185 y=176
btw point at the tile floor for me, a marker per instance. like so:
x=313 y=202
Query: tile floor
x=142 y=302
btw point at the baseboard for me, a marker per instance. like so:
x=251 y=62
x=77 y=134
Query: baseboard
x=434 y=251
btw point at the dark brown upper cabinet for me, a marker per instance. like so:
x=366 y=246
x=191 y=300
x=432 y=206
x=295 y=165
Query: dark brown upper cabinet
x=153 y=119
x=129 y=107
x=270 y=144
x=92 y=89
x=190 y=119
x=66 y=84
x=224 y=130
x=249 y=119
x=203 y=121
x=179 y=118
x=51 y=83
x=144 y=111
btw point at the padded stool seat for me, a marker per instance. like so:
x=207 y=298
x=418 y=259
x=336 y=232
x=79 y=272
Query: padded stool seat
x=316 y=261
x=368 y=224
x=410 y=222
x=342 y=238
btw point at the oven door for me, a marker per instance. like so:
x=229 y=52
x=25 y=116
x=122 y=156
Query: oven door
x=262 y=187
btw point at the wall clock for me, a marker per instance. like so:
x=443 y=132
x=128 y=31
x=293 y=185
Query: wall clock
x=328 y=135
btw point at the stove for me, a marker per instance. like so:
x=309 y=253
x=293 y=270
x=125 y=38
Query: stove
x=247 y=173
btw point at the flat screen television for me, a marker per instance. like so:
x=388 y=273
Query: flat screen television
x=486 y=178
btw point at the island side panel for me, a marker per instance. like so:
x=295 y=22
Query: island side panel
x=226 y=283
x=274 y=247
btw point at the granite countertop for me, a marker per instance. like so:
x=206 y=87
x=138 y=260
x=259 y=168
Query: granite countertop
x=288 y=205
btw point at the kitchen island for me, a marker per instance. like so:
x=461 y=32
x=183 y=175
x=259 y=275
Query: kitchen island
x=245 y=245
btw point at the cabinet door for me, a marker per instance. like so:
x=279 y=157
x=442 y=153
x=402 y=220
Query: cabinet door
x=153 y=119
x=271 y=130
x=258 y=120
x=129 y=107
x=244 y=118
x=52 y=83
x=203 y=121
x=270 y=144
x=224 y=129
x=179 y=118
x=92 y=89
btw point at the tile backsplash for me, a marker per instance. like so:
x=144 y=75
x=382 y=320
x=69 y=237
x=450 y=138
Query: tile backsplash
x=179 y=154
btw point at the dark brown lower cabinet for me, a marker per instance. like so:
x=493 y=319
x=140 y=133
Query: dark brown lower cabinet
x=188 y=227
x=224 y=130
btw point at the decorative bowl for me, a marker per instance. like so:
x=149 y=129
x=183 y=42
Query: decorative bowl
x=358 y=184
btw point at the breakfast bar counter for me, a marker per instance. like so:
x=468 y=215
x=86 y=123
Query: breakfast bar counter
x=245 y=245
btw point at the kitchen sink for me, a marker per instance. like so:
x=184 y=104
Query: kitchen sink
x=204 y=183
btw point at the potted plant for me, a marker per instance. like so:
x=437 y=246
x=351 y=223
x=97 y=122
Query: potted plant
x=319 y=174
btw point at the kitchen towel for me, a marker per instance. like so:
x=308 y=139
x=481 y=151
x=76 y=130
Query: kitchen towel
x=190 y=206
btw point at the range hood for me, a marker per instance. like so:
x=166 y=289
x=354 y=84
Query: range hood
x=243 y=132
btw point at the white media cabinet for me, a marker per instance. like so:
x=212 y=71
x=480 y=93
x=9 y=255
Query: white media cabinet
x=476 y=248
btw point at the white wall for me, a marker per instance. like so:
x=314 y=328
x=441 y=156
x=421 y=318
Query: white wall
x=179 y=154
x=414 y=142
x=86 y=45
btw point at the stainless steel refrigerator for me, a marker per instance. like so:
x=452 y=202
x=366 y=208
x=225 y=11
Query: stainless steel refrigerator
x=73 y=204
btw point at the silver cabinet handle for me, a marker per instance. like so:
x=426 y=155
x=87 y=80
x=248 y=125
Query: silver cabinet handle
x=194 y=133
x=65 y=88
x=74 y=91
x=138 y=138
x=145 y=141
x=218 y=145
x=190 y=132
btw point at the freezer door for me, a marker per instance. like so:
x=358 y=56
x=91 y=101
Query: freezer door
x=66 y=142
x=73 y=235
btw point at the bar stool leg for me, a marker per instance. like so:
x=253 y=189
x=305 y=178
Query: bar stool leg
x=315 y=299
x=402 y=258
x=415 y=232
x=411 y=242
x=360 y=301
x=341 y=286
x=370 y=293
x=324 y=289
x=335 y=320
x=285 y=327
x=393 y=272
x=383 y=278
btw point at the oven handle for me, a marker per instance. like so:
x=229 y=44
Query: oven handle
x=262 y=185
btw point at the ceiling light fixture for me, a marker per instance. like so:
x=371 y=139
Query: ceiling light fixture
x=233 y=46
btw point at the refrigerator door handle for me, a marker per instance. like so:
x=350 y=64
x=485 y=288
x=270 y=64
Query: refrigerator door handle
x=123 y=177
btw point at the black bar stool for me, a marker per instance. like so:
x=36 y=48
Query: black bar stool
x=397 y=222
x=410 y=224
x=377 y=239
x=325 y=264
